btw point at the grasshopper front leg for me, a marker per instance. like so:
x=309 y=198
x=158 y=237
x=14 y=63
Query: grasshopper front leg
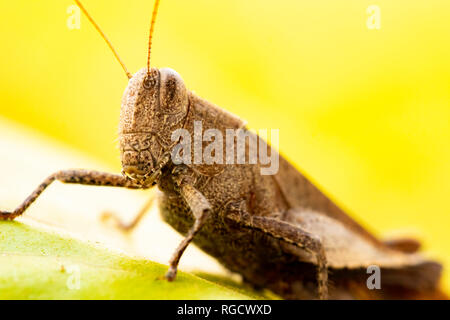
x=201 y=209
x=85 y=177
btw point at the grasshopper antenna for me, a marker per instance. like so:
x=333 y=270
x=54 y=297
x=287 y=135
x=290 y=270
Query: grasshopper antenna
x=152 y=27
x=104 y=38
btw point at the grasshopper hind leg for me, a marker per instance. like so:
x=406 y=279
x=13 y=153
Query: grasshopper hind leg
x=123 y=226
x=291 y=235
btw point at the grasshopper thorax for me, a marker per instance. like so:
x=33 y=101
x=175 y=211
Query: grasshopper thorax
x=154 y=104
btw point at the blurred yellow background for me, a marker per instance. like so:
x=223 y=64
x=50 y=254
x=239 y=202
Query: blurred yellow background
x=364 y=112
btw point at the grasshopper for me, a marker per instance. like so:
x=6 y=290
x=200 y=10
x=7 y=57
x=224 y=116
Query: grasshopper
x=278 y=231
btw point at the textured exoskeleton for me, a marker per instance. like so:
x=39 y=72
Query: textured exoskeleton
x=278 y=231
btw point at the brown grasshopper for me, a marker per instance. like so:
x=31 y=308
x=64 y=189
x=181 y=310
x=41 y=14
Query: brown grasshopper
x=278 y=231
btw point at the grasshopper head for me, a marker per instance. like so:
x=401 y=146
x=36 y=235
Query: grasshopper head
x=154 y=104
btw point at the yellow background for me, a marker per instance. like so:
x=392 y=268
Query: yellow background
x=365 y=113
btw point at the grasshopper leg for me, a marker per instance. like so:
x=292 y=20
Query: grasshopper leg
x=128 y=226
x=85 y=177
x=201 y=208
x=293 y=235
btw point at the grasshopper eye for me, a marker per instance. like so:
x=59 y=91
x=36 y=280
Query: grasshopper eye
x=148 y=83
x=173 y=93
x=150 y=79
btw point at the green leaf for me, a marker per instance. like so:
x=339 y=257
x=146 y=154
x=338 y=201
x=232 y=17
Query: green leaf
x=37 y=264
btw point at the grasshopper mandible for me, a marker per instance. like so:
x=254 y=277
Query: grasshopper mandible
x=278 y=231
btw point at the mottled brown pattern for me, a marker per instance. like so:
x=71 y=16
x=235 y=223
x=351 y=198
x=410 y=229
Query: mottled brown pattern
x=279 y=232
